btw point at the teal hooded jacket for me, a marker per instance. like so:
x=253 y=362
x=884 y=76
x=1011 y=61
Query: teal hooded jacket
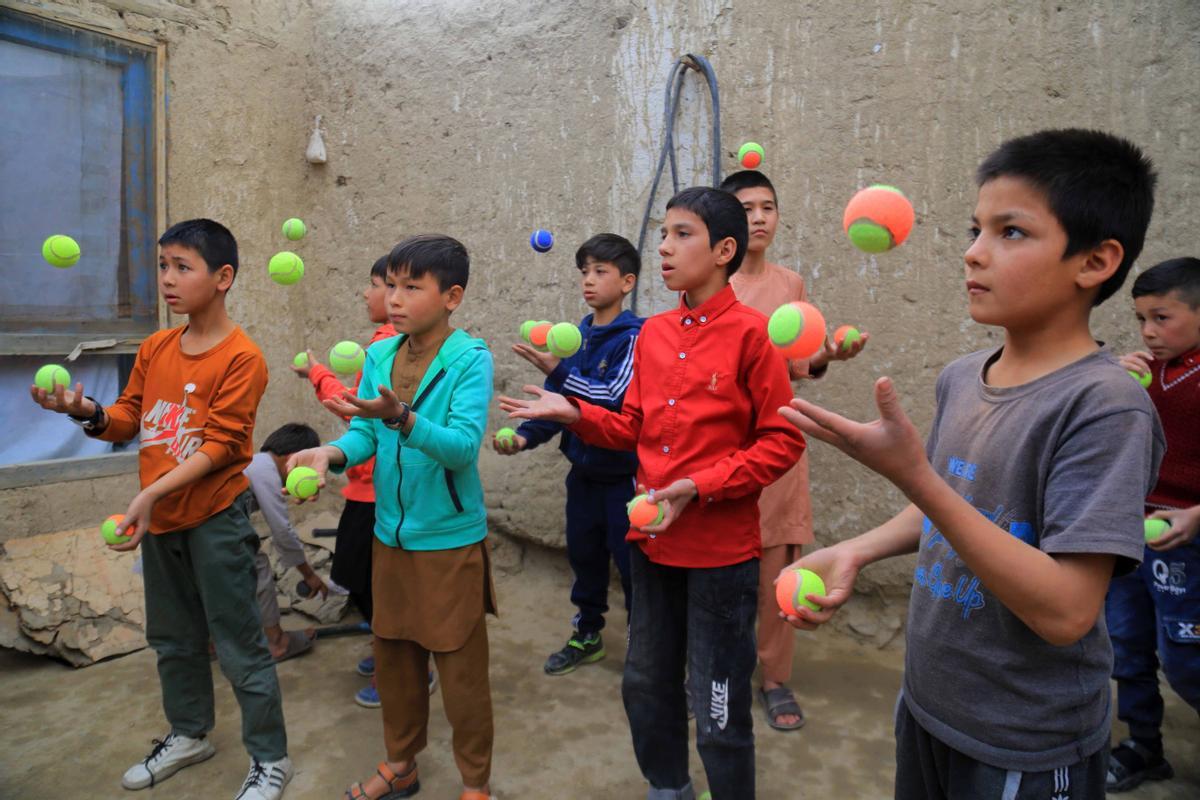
x=428 y=495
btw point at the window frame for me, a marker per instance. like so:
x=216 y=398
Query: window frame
x=115 y=338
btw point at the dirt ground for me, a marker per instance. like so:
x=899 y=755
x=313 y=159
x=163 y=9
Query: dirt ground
x=72 y=733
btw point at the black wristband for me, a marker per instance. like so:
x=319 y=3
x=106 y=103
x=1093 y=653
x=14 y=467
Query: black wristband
x=89 y=423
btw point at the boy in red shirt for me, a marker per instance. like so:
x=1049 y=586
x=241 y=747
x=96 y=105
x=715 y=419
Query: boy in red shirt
x=356 y=528
x=191 y=402
x=702 y=411
x=1153 y=613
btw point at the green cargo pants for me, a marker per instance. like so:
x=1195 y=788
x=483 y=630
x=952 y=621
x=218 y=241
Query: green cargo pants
x=199 y=583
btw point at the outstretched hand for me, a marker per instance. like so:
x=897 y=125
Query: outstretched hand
x=890 y=445
x=63 y=400
x=315 y=457
x=832 y=352
x=545 y=405
x=546 y=362
x=385 y=406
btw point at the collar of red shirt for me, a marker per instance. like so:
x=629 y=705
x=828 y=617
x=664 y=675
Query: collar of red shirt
x=1181 y=364
x=707 y=311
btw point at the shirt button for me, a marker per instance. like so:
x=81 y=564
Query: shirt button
x=704 y=319
x=666 y=449
x=687 y=321
x=671 y=402
x=710 y=499
x=683 y=355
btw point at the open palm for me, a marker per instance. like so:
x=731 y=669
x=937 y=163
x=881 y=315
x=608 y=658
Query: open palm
x=545 y=405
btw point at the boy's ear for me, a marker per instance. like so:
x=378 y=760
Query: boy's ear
x=628 y=281
x=725 y=250
x=225 y=277
x=1100 y=263
x=454 y=297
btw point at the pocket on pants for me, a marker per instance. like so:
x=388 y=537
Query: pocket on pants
x=1182 y=631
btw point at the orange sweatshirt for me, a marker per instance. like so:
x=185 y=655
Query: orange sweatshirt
x=360 y=486
x=178 y=405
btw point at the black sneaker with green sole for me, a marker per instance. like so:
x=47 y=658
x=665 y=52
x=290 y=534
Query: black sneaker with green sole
x=580 y=649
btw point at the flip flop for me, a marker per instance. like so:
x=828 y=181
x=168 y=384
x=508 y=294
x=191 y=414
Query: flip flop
x=777 y=702
x=297 y=642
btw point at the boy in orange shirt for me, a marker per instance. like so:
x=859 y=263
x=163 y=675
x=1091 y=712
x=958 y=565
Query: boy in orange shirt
x=785 y=508
x=191 y=401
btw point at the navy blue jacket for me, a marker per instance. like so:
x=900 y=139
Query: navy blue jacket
x=599 y=373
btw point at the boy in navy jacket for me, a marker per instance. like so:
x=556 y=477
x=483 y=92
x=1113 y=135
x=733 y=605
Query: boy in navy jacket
x=601 y=481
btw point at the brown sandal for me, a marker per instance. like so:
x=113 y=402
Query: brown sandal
x=399 y=786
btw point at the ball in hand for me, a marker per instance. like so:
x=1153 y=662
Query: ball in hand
x=794 y=586
x=302 y=482
x=108 y=529
x=1155 y=528
x=51 y=375
x=643 y=513
x=845 y=337
x=506 y=436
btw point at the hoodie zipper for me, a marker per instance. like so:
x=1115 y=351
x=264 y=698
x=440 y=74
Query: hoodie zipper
x=400 y=448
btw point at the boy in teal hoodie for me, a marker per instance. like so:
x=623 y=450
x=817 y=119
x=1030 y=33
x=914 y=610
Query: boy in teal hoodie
x=421 y=410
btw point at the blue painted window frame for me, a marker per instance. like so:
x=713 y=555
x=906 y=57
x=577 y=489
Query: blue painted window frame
x=138 y=313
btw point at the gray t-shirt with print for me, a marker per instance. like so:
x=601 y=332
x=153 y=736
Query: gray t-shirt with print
x=1063 y=463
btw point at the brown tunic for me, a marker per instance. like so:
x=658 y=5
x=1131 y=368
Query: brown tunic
x=435 y=598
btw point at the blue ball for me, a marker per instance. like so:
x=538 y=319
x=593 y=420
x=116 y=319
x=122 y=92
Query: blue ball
x=541 y=240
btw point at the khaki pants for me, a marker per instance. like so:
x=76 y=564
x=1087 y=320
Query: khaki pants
x=776 y=639
x=402 y=675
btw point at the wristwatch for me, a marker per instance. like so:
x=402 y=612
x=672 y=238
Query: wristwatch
x=91 y=423
x=397 y=423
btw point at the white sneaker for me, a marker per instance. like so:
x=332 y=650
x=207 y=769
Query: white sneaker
x=266 y=779
x=169 y=755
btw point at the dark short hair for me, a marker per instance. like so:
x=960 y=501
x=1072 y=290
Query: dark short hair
x=380 y=267
x=291 y=438
x=1180 y=275
x=748 y=179
x=721 y=213
x=211 y=240
x=432 y=254
x=1098 y=185
x=610 y=248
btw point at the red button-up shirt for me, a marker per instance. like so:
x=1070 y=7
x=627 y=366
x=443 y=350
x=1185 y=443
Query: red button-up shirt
x=703 y=404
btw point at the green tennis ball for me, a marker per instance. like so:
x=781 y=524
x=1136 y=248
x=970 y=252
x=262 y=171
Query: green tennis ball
x=506 y=436
x=51 y=375
x=564 y=340
x=301 y=360
x=286 y=268
x=1156 y=528
x=643 y=513
x=108 y=529
x=60 y=251
x=303 y=482
x=294 y=229
x=1144 y=378
x=346 y=358
x=785 y=325
x=527 y=327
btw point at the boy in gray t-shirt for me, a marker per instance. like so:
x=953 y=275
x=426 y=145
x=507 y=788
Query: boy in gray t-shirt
x=1028 y=494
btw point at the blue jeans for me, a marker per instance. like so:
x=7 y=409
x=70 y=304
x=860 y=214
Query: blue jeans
x=701 y=619
x=596 y=526
x=1153 y=613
